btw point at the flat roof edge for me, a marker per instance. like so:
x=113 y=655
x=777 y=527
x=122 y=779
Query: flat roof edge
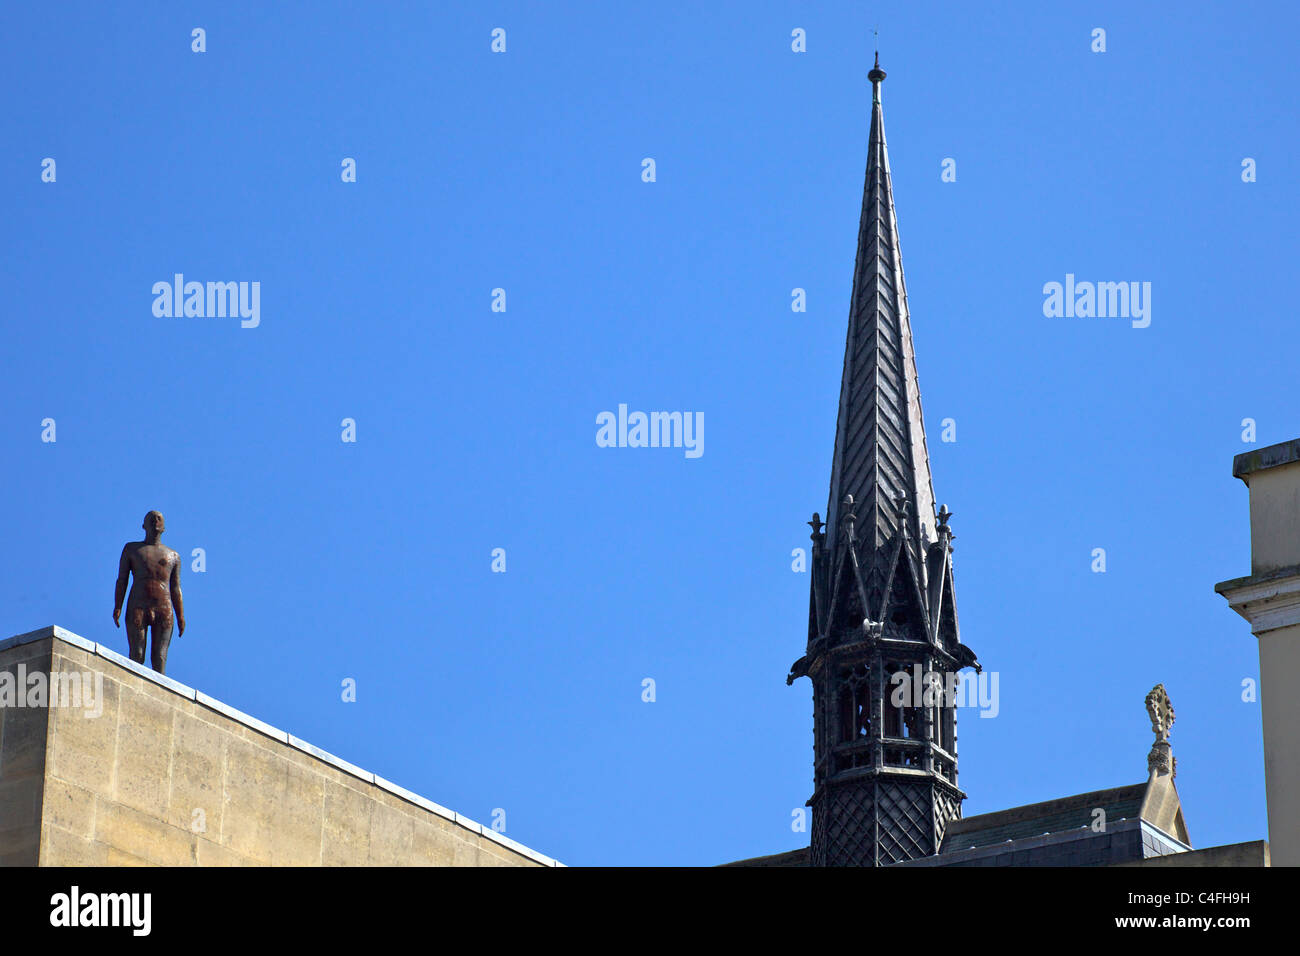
x=1270 y=456
x=55 y=632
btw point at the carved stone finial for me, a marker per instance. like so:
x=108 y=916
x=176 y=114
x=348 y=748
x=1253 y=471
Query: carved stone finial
x=1161 y=711
x=849 y=516
x=944 y=515
x=816 y=525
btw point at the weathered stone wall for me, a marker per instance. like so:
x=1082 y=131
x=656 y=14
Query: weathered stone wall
x=168 y=776
x=22 y=762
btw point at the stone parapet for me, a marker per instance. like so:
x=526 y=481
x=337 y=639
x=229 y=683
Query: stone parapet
x=135 y=768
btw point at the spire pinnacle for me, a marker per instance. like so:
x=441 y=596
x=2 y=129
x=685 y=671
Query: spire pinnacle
x=876 y=75
x=880 y=451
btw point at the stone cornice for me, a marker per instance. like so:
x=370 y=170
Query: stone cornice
x=1268 y=601
x=1283 y=453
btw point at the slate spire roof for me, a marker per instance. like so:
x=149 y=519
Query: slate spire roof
x=880 y=450
x=882 y=565
x=884 y=554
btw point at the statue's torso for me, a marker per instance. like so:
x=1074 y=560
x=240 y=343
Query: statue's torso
x=151 y=573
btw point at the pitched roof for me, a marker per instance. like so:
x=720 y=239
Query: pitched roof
x=797 y=857
x=1142 y=820
x=1050 y=816
x=1154 y=802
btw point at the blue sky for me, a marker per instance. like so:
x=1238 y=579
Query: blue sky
x=476 y=429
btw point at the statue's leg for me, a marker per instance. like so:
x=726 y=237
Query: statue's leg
x=162 y=638
x=136 y=633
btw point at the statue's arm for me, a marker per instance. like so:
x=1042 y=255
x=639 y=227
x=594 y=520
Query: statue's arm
x=119 y=592
x=177 y=603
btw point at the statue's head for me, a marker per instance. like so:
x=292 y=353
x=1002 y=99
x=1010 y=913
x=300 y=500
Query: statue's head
x=153 y=521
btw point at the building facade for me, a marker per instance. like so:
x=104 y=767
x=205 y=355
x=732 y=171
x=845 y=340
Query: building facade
x=105 y=762
x=1269 y=598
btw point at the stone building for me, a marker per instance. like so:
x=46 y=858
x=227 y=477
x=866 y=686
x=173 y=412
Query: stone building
x=104 y=762
x=1269 y=598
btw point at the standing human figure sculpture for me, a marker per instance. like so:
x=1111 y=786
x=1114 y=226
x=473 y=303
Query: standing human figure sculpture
x=155 y=591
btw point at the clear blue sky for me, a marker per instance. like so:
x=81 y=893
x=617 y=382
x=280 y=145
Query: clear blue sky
x=476 y=429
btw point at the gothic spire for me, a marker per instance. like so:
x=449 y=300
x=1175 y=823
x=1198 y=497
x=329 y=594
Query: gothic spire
x=880 y=453
x=883 y=600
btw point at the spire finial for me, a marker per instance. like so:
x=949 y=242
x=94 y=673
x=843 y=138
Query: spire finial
x=942 y=531
x=876 y=74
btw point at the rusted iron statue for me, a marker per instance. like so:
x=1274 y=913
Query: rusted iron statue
x=155 y=591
